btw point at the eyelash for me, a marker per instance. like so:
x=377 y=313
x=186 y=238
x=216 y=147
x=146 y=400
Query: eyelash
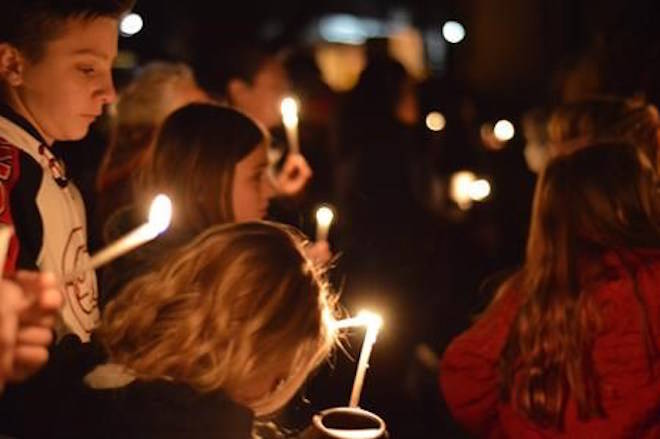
x=87 y=70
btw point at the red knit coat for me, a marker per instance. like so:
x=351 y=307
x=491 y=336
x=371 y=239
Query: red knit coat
x=630 y=390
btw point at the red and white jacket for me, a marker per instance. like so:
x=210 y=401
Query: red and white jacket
x=48 y=216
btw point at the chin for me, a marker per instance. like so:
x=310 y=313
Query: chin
x=77 y=133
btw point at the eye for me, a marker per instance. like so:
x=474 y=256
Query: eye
x=87 y=70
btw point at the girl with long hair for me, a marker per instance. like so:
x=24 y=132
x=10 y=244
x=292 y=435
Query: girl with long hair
x=227 y=328
x=569 y=346
x=212 y=161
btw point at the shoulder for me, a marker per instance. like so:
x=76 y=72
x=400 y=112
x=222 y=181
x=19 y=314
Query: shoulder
x=171 y=410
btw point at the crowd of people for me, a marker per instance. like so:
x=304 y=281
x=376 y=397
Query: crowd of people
x=211 y=329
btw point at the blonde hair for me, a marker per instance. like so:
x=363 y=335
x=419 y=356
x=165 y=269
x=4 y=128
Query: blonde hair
x=141 y=108
x=224 y=311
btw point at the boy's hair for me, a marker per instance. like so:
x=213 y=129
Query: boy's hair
x=229 y=308
x=233 y=62
x=29 y=24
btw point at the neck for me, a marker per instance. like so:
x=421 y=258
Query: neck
x=16 y=103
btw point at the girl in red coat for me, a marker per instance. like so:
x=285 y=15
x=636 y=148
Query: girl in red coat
x=569 y=346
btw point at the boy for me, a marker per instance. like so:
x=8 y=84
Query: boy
x=55 y=77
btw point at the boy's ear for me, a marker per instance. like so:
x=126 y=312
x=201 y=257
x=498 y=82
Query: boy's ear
x=12 y=64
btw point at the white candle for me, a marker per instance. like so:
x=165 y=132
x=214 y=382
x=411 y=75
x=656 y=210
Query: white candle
x=289 y=110
x=160 y=214
x=373 y=323
x=324 y=218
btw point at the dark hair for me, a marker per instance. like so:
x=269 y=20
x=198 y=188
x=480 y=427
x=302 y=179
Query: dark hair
x=602 y=197
x=29 y=24
x=193 y=161
x=234 y=62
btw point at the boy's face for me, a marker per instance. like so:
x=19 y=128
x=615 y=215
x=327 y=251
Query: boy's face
x=65 y=90
x=262 y=97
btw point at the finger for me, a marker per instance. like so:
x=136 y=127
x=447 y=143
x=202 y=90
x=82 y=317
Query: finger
x=10 y=298
x=28 y=359
x=34 y=336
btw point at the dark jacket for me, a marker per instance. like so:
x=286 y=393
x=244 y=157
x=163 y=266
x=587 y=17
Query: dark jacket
x=142 y=409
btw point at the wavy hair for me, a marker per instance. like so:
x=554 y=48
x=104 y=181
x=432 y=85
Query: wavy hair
x=601 y=197
x=223 y=312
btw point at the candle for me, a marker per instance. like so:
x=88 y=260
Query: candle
x=289 y=110
x=160 y=214
x=373 y=323
x=324 y=218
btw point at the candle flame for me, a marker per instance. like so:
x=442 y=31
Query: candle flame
x=324 y=216
x=160 y=214
x=289 y=110
x=371 y=319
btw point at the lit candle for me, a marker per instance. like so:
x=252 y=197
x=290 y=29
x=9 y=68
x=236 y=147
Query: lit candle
x=160 y=214
x=373 y=323
x=324 y=218
x=289 y=110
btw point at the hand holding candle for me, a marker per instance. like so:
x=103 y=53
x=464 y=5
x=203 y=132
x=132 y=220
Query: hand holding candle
x=289 y=110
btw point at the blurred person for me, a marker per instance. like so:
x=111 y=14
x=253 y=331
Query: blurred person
x=568 y=347
x=159 y=89
x=55 y=78
x=28 y=307
x=227 y=328
x=212 y=162
x=254 y=81
x=379 y=155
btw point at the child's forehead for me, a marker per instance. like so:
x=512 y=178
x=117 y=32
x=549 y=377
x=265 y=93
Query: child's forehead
x=84 y=36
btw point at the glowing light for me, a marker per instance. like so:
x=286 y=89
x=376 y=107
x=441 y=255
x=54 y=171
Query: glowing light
x=324 y=217
x=459 y=188
x=160 y=216
x=504 y=130
x=373 y=322
x=160 y=213
x=435 y=121
x=131 y=24
x=479 y=190
x=453 y=32
x=370 y=319
x=289 y=110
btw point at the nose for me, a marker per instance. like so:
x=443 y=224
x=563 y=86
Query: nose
x=268 y=189
x=106 y=92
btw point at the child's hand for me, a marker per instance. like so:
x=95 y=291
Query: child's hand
x=36 y=307
x=294 y=175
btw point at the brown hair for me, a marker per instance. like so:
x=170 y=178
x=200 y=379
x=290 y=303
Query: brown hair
x=193 y=161
x=601 y=197
x=224 y=311
x=141 y=108
x=605 y=119
x=29 y=24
